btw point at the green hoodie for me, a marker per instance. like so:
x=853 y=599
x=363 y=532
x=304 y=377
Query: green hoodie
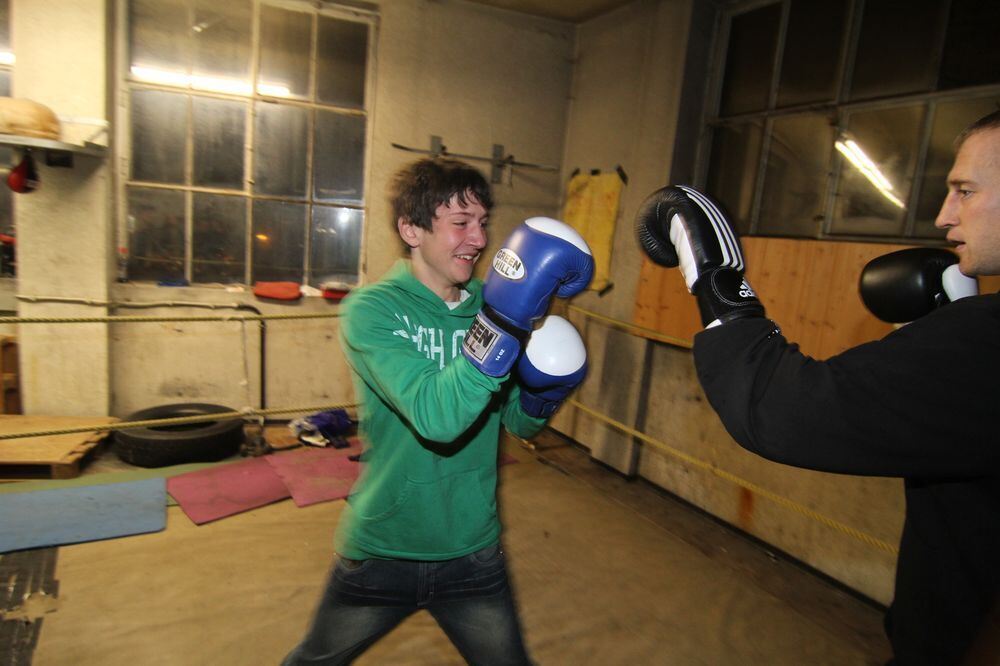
x=430 y=424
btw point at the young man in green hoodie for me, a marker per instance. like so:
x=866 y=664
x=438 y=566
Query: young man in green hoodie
x=420 y=530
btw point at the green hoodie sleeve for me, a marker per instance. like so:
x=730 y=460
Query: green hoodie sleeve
x=516 y=421
x=439 y=403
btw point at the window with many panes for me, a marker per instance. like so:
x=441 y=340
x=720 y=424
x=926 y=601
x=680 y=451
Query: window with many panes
x=7 y=231
x=836 y=118
x=246 y=142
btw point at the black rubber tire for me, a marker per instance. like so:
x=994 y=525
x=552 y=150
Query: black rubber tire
x=179 y=444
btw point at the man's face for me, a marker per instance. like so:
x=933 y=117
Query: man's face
x=971 y=211
x=443 y=258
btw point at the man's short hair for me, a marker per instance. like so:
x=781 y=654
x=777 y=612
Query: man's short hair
x=419 y=188
x=990 y=121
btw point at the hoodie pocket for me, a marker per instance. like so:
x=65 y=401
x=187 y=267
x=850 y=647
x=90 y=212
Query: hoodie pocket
x=434 y=518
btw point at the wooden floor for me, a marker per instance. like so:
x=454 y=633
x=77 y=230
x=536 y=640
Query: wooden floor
x=606 y=571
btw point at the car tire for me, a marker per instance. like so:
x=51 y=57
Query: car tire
x=160 y=446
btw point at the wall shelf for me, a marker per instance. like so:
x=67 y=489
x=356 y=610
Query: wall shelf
x=57 y=153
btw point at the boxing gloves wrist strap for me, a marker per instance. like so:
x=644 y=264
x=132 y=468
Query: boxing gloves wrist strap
x=491 y=344
x=725 y=295
x=538 y=406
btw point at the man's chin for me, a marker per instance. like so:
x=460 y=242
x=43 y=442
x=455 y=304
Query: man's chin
x=969 y=269
x=461 y=277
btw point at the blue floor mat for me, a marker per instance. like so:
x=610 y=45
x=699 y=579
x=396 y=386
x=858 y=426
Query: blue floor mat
x=74 y=515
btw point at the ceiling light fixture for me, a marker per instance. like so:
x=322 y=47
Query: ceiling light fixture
x=857 y=157
x=210 y=83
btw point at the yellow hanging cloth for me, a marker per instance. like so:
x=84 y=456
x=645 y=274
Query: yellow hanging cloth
x=592 y=209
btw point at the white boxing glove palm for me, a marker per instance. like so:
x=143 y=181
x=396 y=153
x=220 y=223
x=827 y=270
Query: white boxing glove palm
x=553 y=364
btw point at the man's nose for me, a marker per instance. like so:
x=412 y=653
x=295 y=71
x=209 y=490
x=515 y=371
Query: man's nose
x=946 y=216
x=477 y=237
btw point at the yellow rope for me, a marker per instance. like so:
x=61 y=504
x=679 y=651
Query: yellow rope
x=640 y=331
x=763 y=492
x=178 y=420
x=701 y=464
x=251 y=412
x=139 y=318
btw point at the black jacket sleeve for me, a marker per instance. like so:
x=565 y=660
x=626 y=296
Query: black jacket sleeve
x=921 y=402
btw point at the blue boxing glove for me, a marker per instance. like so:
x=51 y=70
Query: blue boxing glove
x=540 y=258
x=553 y=364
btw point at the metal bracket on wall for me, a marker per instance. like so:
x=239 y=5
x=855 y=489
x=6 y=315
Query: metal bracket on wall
x=498 y=160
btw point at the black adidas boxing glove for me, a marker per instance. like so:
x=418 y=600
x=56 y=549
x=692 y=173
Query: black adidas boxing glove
x=905 y=285
x=678 y=225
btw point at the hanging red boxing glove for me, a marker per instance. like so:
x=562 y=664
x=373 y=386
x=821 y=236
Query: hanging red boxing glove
x=24 y=177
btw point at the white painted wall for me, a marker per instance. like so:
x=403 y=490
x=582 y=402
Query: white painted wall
x=626 y=89
x=63 y=238
x=473 y=75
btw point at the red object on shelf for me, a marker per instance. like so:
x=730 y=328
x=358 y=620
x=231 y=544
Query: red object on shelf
x=335 y=290
x=335 y=295
x=281 y=291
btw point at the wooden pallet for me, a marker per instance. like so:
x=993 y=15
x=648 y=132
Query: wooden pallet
x=51 y=456
x=10 y=393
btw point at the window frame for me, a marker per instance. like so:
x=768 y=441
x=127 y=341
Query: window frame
x=839 y=110
x=125 y=83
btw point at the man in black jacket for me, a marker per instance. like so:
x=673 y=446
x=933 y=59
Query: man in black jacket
x=921 y=404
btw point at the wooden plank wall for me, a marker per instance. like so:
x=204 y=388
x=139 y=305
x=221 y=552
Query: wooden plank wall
x=809 y=287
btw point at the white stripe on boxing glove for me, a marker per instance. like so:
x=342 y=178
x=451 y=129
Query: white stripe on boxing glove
x=732 y=257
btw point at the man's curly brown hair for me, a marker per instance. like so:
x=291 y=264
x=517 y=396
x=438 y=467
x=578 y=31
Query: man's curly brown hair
x=419 y=188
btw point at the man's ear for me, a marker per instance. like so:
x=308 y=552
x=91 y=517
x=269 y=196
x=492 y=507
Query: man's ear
x=409 y=232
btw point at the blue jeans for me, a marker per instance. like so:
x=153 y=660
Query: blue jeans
x=470 y=597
